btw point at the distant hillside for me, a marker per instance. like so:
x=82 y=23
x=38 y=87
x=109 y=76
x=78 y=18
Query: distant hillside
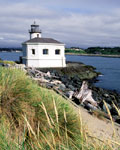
x=10 y=49
x=94 y=50
x=103 y=50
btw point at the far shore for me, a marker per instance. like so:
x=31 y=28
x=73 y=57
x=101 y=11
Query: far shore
x=95 y=55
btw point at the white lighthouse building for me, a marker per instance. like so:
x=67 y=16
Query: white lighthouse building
x=42 y=52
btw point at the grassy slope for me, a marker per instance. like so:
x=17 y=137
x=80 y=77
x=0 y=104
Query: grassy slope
x=32 y=117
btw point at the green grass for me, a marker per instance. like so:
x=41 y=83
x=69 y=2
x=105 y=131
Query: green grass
x=67 y=50
x=7 y=62
x=33 y=118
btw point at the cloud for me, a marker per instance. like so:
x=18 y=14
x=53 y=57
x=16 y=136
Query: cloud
x=76 y=23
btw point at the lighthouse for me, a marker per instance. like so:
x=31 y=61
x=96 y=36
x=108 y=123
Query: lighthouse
x=35 y=31
x=42 y=52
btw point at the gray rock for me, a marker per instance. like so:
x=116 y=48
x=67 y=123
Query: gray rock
x=7 y=65
x=69 y=94
x=71 y=87
x=49 y=85
x=106 y=95
x=62 y=87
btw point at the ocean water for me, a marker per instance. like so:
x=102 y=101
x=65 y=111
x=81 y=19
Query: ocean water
x=109 y=67
x=12 y=56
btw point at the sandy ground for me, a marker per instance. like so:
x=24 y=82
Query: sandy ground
x=100 y=128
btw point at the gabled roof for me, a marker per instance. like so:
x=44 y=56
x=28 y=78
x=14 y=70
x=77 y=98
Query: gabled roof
x=42 y=40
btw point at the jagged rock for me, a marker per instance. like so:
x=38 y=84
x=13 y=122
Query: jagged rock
x=113 y=111
x=71 y=87
x=69 y=94
x=106 y=95
x=88 y=106
x=117 y=119
x=56 y=82
x=49 y=85
x=62 y=87
x=6 y=65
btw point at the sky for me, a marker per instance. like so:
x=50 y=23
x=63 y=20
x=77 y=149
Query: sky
x=77 y=23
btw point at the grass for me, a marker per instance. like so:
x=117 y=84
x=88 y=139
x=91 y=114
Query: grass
x=34 y=118
x=7 y=62
x=68 y=50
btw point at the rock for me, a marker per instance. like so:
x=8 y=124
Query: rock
x=48 y=74
x=7 y=65
x=64 y=80
x=117 y=119
x=88 y=106
x=71 y=87
x=69 y=94
x=113 y=111
x=104 y=108
x=119 y=105
x=62 y=87
x=106 y=95
x=56 y=82
x=49 y=85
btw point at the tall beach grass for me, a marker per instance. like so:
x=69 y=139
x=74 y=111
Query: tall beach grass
x=34 y=118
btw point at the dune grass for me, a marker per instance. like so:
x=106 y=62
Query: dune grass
x=7 y=62
x=33 y=118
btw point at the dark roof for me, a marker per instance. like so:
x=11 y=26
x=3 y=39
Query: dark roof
x=42 y=40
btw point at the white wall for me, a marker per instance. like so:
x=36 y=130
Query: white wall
x=43 y=61
x=34 y=35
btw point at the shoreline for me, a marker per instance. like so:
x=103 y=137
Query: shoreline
x=94 y=55
x=71 y=79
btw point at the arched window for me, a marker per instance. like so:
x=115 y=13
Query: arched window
x=57 y=52
x=45 y=51
x=33 y=51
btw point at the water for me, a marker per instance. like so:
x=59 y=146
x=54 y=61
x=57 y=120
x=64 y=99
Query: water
x=109 y=67
x=12 y=56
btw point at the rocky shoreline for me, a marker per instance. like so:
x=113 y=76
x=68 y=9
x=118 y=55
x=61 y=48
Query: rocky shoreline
x=69 y=80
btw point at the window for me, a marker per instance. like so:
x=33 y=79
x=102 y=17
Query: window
x=33 y=51
x=37 y=35
x=45 y=51
x=57 y=51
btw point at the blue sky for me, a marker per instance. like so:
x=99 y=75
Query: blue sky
x=82 y=23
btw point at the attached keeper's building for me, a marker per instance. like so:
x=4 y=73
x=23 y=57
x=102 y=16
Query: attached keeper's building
x=42 y=52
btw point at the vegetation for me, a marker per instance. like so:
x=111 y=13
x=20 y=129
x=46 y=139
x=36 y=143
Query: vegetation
x=72 y=50
x=95 y=50
x=10 y=49
x=7 y=62
x=34 y=118
x=103 y=50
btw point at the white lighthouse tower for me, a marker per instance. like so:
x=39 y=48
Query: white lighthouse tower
x=35 y=31
x=42 y=52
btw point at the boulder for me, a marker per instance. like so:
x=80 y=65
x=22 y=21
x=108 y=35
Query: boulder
x=69 y=94
x=106 y=95
x=62 y=87
x=71 y=87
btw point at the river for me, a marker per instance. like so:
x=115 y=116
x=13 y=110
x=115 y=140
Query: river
x=109 y=67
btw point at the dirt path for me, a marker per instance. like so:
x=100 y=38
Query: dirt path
x=99 y=128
